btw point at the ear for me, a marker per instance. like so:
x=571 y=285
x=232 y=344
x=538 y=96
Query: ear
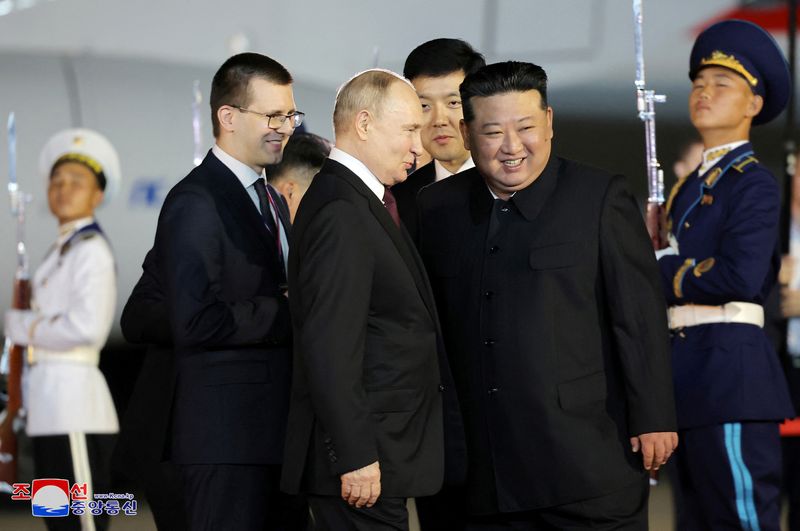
x=363 y=124
x=462 y=125
x=97 y=198
x=755 y=106
x=225 y=116
x=550 y=132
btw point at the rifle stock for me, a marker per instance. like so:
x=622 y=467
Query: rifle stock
x=13 y=407
x=655 y=219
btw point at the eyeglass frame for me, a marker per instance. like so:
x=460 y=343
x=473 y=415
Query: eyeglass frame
x=295 y=117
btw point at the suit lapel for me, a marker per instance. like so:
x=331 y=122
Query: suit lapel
x=398 y=235
x=228 y=186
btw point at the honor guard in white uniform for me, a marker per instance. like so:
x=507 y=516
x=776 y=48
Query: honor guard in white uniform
x=70 y=413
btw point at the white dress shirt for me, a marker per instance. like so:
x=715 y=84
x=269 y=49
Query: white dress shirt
x=358 y=167
x=444 y=173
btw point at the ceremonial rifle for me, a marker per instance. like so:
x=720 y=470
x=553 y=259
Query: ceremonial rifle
x=646 y=105
x=11 y=361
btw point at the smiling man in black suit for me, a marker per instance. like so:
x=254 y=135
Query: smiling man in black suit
x=553 y=319
x=219 y=256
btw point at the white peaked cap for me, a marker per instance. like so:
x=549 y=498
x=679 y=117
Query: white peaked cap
x=88 y=147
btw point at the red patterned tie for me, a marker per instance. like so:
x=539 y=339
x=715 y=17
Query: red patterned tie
x=391 y=205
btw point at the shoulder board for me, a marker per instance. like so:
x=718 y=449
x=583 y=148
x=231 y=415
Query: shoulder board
x=86 y=233
x=744 y=163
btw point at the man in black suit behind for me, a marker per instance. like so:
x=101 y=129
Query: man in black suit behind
x=436 y=68
x=553 y=319
x=219 y=252
x=365 y=424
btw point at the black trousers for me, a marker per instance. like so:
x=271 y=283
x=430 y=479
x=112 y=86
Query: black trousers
x=162 y=489
x=240 y=497
x=332 y=513
x=444 y=511
x=52 y=458
x=623 y=510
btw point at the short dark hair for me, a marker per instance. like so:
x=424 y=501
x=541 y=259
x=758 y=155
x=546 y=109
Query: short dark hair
x=500 y=78
x=303 y=151
x=232 y=81
x=441 y=57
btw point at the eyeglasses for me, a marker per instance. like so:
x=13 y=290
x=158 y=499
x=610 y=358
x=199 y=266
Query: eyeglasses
x=276 y=121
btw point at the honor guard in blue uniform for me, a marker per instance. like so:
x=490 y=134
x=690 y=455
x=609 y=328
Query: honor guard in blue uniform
x=70 y=414
x=722 y=262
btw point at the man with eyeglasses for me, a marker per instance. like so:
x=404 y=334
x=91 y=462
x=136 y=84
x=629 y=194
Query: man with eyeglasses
x=220 y=260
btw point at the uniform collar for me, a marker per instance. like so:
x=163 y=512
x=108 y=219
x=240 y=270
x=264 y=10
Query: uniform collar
x=529 y=201
x=713 y=155
x=68 y=229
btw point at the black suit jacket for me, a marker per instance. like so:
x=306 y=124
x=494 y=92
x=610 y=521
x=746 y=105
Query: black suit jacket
x=367 y=381
x=405 y=193
x=220 y=272
x=144 y=432
x=556 y=332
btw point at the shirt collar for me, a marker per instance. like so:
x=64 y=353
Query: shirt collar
x=246 y=175
x=443 y=173
x=358 y=167
x=713 y=155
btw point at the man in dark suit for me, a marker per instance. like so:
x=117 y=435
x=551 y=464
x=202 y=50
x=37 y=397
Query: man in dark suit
x=436 y=69
x=144 y=432
x=365 y=424
x=553 y=319
x=220 y=251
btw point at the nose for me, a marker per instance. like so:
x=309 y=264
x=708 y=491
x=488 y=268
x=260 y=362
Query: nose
x=286 y=127
x=416 y=144
x=511 y=143
x=439 y=116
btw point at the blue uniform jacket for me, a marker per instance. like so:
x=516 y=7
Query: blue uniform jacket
x=726 y=225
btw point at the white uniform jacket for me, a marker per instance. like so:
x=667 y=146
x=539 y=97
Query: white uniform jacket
x=74 y=292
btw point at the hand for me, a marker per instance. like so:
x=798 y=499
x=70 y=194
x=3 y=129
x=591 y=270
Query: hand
x=363 y=486
x=656 y=447
x=787 y=270
x=790 y=302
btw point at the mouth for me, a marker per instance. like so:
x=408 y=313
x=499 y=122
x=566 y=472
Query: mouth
x=513 y=163
x=442 y=139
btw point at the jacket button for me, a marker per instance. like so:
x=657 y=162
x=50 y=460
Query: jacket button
x=441 y=388
x=327 y=440
x=489 y=294
x=489 y=342
x=493 y=390
x=493 y=249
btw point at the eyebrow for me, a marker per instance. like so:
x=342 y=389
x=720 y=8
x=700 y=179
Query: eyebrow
x=495 y=124
x=449 y=95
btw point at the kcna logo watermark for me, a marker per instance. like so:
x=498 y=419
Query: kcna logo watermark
x=54 y=497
